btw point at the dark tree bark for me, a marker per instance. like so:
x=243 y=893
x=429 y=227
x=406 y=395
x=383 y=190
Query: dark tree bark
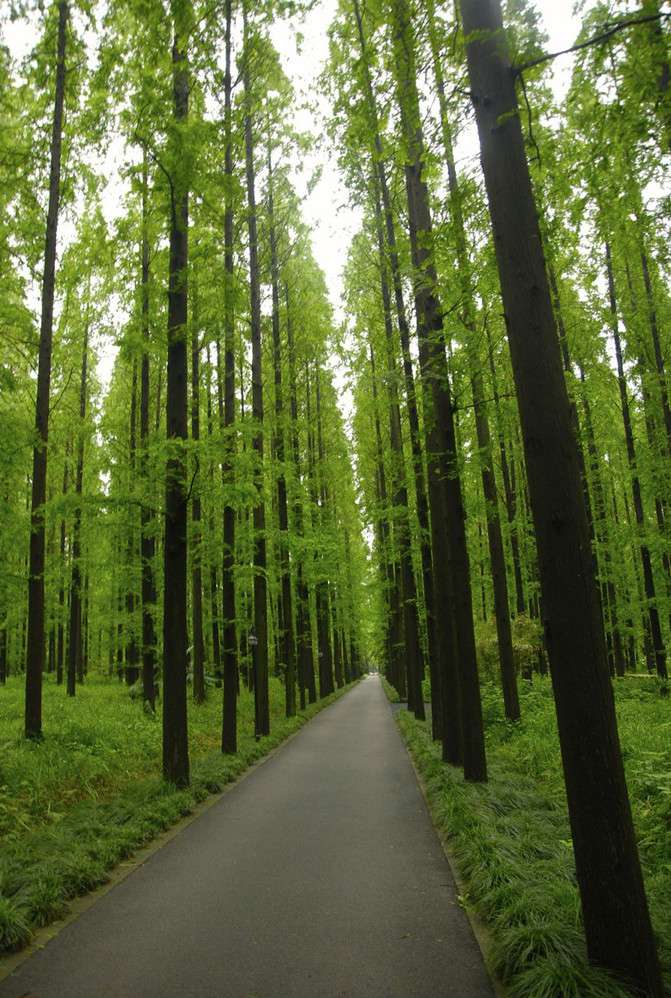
x=75 y=629
x=148 y=589
x=508 y=484
x=35 y=622
x=437 y=651
x=322 y=588
x=637 y=496
x=397 y=674
x=489 y=489
x=617 y=923
x=60 y=639
x=260 y=648
x=439 y=416
x=303 y=629
x=132 y=649
x=412 y=646
x=175 y=731
x=287 y=656
x=197 y=640
x=214 y=587
x=229 y=737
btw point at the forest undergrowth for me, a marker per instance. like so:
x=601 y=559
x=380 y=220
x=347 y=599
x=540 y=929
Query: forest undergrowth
x=85 y=798
x=511 y=840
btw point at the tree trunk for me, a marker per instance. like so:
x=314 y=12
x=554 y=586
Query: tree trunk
x=303 y=629
x=147 y=545
x=439 y=413
x=197 y=642
x=260 y=647
x=617 y=923
x=229 y=737
x=175 y=732
x=436 y=651
x=35 y=623
x=637 y=496
x=75 y=628
x=489 y=489
x=287 y=655
x=132 y=650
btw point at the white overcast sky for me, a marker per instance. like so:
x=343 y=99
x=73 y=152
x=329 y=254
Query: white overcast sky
x=326 y=209
x=333 y=224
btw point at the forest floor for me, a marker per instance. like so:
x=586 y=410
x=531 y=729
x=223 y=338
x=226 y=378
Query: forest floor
x=76 y=804
x=318 y=874
x=511 y=842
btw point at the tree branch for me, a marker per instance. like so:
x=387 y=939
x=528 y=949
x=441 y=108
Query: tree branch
x=603 y=36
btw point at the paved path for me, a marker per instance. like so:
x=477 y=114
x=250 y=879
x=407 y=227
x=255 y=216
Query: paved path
x=318 y=876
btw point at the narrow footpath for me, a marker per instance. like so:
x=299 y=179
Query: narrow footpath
x=318 y=876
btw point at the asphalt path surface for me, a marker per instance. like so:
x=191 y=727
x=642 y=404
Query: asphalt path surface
x=319 y=875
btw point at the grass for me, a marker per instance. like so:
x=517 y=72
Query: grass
x=85 y=798
x=512 y=845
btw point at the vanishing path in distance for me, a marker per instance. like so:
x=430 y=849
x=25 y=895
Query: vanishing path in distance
x=318 y=876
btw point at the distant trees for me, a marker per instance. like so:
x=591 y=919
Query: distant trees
x=530 y=573
x=145 y=518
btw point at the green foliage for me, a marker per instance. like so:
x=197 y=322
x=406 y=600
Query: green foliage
x=527 y=643
x=512 y=842
x=76 y=804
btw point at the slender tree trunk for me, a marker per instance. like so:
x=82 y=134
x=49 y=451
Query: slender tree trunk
x=600 y=521
x=260 y=648
x=489 y=489
x=132 y=650
x=287 y=656
x=35 y=623
x=60 y=640
x=303 y=629
x=325 y=652
x=175 y=732
x=147 y=545
x=197 y=641
x=617 y=923
x=214 y=590
x=439 y=412
x=637 y=496
x=229 y=738
x=75 y=629
x=412 y=647
x=437 y=650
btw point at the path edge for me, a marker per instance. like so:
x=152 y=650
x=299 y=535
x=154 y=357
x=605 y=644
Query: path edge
x=481 y=932
x=77 y=906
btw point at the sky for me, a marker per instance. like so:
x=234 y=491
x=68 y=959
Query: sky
x=326 y=209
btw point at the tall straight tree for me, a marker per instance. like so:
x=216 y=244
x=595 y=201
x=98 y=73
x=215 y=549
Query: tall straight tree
x=286 y=623
x=260 y=648
x=147 y=545
x=229 y=721
x=197 y=640
x=35 y=632
x=75 y=630
x=438 y=414
x=615 y=912
x=175 y=734
x=483 y=434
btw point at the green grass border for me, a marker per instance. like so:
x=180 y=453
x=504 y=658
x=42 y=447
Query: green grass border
x=44 y=871
x=531 y=949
